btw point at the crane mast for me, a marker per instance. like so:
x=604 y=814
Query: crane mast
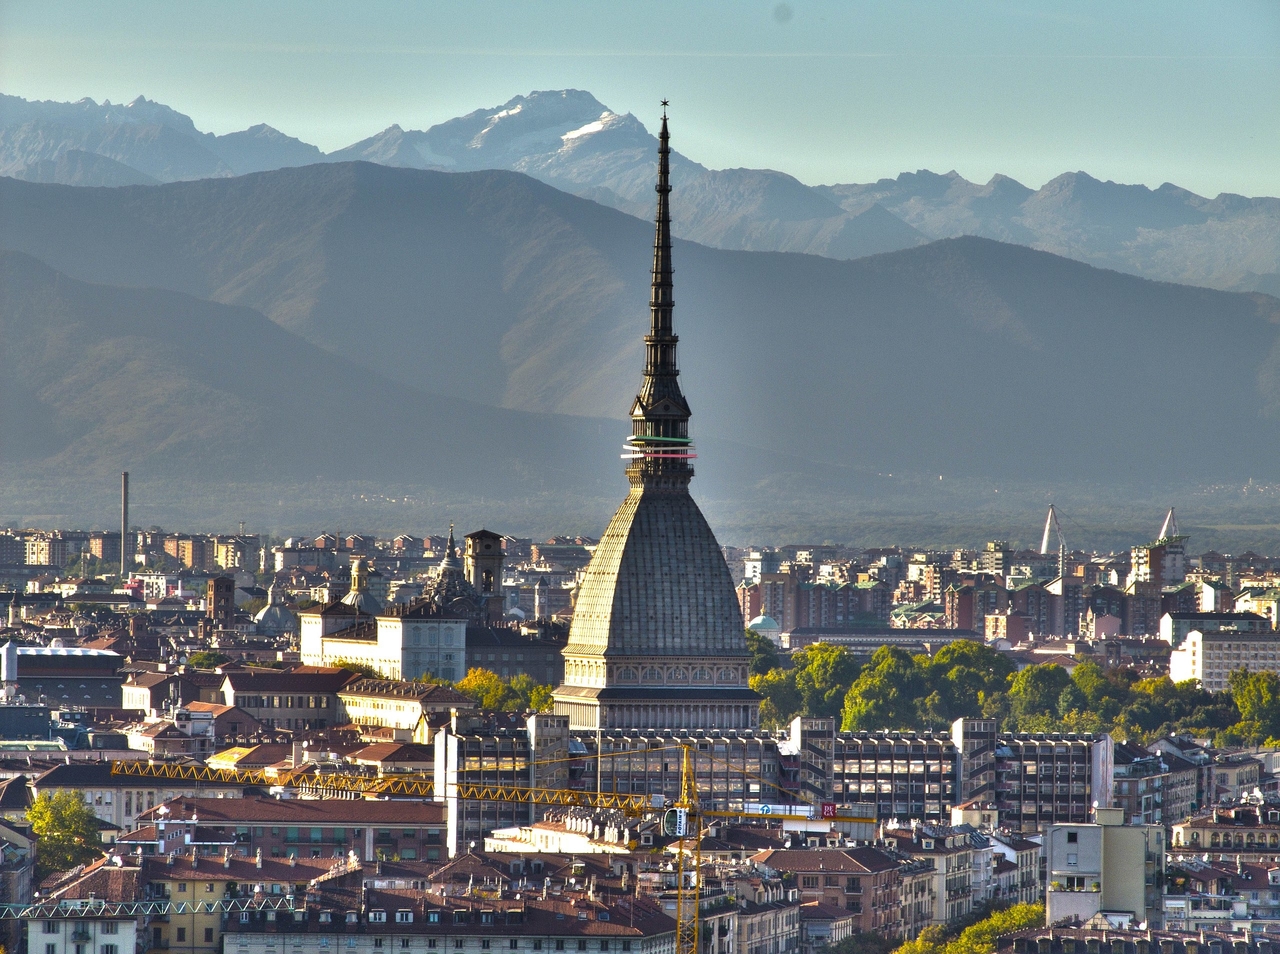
x=688 y=883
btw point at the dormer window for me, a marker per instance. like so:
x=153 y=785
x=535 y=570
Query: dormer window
x=928 y=844
x=404 y=916
x=377 y=916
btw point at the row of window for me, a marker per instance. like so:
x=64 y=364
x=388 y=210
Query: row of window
x=282 y=702
x=81 y=928
x=486 y=944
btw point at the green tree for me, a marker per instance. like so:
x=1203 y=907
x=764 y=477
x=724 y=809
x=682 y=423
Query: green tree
x=960 y=673
x=782 y=700
x=1035 y=690
x=363 y=669
x=523 y=693
x=540 y=699
x=980 y=938
x=884 y=695
x=67 y=831
x=764 y=655
x=823 y=676
x=1071 y=699
x=1257 y=696
x=1090 y=679
x=207 y=659
x=485 y=687
x=864 y=942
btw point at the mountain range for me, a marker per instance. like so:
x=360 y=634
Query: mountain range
x=570 y=140
x=472 y=339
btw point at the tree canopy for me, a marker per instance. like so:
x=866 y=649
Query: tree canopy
x=363 y=669
x=978 y=938
x=207 y=659
x=67 y=831
x=764 y=655
x=517 y=694
x=965 y=679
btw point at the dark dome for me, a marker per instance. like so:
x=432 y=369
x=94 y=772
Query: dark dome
x=658 y=585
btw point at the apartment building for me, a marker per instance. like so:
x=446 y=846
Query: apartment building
x=401 y=830
x=485 y=748
x=1174 y=627
x=378 y=921
x=304 y=697
x=1023 y=886
x=187 y=880
x=864 y=881
x=120 y=800
x=1209 y=658
x=72 y=927
x=1246 y=832
x=1034 y=778
x=881 y=774
x=1105 y=865
x=952 y=852
x=396 y=704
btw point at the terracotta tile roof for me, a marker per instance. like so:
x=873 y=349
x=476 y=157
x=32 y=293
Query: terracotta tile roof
x=299 y=679
x=393 y=752
x=851 y=860
x=821 y=911
x=237 y=868
x=103 y=880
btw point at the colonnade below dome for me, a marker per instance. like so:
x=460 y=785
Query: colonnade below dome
x=681 y=716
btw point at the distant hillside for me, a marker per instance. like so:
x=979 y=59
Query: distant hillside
x=968 y=358
x=98 y=379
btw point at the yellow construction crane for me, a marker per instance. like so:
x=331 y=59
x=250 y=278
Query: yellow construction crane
x=682 y=819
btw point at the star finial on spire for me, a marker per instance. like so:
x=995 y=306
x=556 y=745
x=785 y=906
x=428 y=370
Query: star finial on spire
x=665 y=104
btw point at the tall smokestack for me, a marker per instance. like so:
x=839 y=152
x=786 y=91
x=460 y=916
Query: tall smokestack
x=124 y=524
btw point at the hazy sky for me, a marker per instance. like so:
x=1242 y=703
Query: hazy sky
x=1187 y=92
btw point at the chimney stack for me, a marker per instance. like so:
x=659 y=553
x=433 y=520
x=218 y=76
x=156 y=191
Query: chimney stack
x=124 y=524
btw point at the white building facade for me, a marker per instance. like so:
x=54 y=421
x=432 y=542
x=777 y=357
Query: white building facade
x=404 y=643
x=1210 y=658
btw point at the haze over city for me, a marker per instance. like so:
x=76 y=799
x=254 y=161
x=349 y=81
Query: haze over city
x=639 y=478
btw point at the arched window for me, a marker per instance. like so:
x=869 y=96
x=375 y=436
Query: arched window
x=1213 y=840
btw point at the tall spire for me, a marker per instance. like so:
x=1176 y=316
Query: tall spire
x=659 y=449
